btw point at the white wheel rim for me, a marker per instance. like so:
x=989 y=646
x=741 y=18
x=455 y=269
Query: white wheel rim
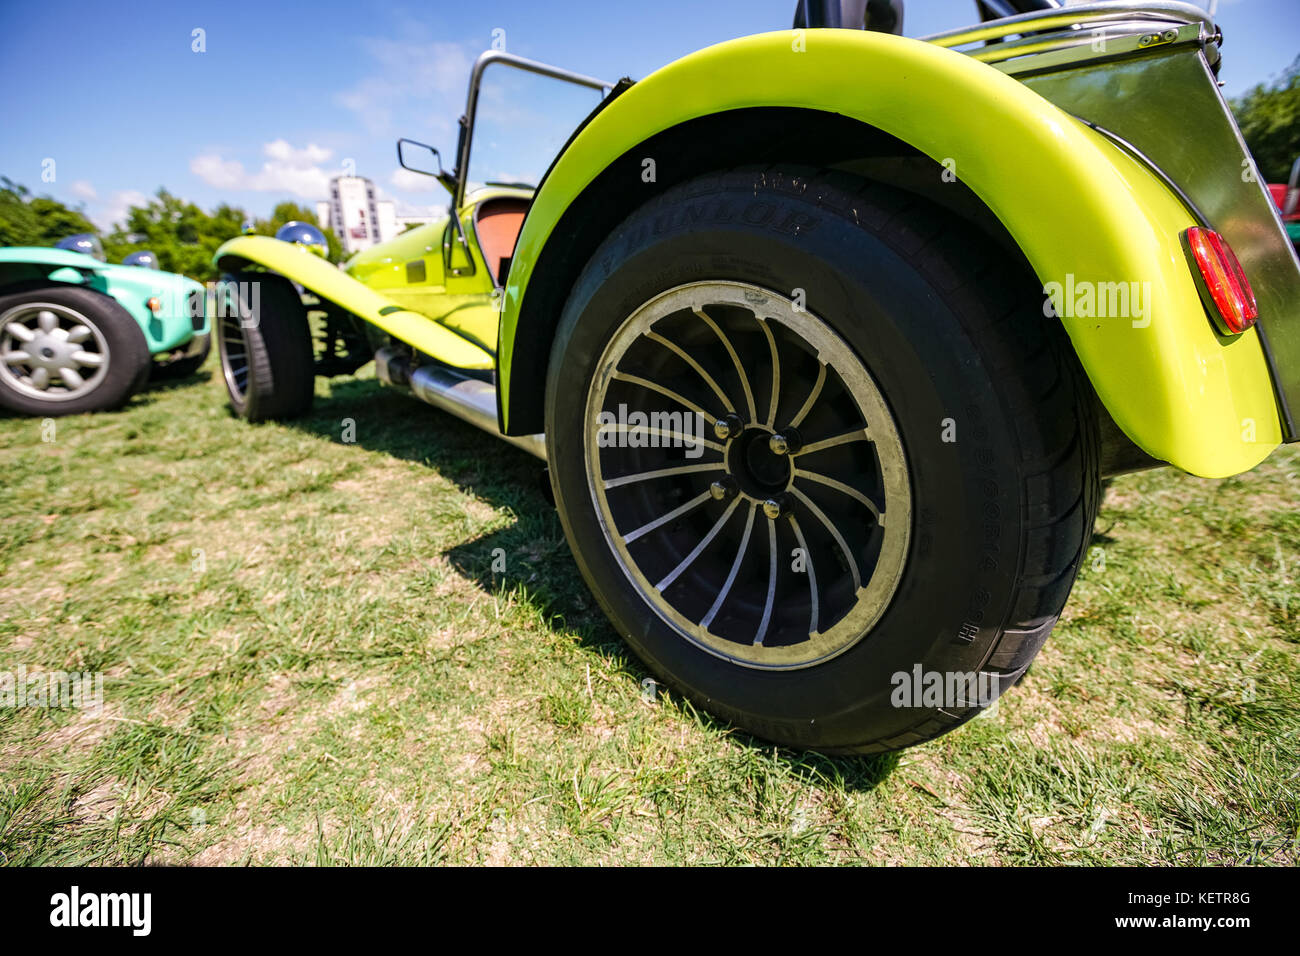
x=51 y=352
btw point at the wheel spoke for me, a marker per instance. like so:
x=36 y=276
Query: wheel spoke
x=71 y=378
x=771 y=585
x=776 y=373
x=735 y=360
x=664 y=391
x=47 y=320
x=708 y=379
x=90 y=359
x=10 y=358
x=79 y=334
x=844 y=489
x=735 y=568
x=858 y=434
x=19 y=331
x=835 y=533
x=664 y=519
x=662 y=473
x=812 y=573
x=812 y=396
x=699 y=548
x=41 y=378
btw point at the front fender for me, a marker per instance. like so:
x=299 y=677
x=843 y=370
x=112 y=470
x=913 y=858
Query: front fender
x=312 y=272
x=1082 y=211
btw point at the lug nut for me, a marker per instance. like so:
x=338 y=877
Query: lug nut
x=729 y=426
x=723 y=488
x=775 y=507
x=785 y=443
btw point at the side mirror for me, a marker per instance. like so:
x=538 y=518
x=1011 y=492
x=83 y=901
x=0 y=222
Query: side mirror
x=424 y=159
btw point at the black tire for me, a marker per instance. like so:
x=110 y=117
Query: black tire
x=265 y=344
x=181 y=368
x=113 y=339
x=948 y=327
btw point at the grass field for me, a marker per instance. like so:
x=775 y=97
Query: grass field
x=309 y=659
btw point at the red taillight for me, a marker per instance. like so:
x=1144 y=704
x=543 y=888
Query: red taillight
x=1223 y=284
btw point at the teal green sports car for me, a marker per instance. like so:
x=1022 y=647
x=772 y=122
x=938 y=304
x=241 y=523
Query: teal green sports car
x=78 y=334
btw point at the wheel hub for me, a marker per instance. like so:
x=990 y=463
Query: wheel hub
x=758 y=470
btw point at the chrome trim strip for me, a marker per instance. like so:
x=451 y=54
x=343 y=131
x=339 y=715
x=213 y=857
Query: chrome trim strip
x=1070 y=17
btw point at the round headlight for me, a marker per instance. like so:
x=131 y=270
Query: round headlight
x=304 y=234
x=144 y=259
x=86 y=243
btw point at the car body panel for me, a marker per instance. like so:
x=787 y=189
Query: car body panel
x=466 y=302
x=1081 y=209
x=421 y=287
x=182 y=299
x=327 y=281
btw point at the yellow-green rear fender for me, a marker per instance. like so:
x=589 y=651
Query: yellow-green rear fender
x=1083 y=212
x=325 y=280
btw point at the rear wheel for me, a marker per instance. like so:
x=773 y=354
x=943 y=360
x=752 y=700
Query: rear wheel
x=811 y=444
x=65 y=350
x=264 y=341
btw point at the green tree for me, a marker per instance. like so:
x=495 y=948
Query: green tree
x=179 y=233
x=27 y=220
x=1269 y=117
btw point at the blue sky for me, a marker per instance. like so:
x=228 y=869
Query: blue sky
x=283 y=98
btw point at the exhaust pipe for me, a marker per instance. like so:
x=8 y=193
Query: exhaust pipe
x=469 y=399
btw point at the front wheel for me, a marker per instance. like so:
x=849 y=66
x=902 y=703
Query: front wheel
x=819 y=456
x=65 y=350
x=265 y=345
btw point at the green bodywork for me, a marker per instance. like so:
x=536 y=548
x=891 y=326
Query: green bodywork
x=1074 y=203
x=403 y=286
x=1081 y=209
x=181 y=299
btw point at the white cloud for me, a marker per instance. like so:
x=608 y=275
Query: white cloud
x=83 y=189
x=114 y=210
x=286 y=170
x=411 y=182
x=311 y=155
x=430 y=74
x=215 y=171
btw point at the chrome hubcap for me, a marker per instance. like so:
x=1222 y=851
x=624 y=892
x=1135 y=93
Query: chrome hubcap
x=51 y=352
x=748 y=475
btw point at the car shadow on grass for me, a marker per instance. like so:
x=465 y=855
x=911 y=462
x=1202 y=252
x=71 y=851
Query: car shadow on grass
x=147 y=395
x=535 y=555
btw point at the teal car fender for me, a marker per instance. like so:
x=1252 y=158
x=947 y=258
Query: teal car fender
x=169 y=308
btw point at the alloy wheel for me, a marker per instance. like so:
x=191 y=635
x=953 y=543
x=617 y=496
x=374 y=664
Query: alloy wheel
x=748 y=474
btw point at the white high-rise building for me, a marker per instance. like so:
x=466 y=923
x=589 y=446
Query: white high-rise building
x=357 y=218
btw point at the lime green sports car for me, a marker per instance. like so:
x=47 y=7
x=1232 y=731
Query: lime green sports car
x=829 y=338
